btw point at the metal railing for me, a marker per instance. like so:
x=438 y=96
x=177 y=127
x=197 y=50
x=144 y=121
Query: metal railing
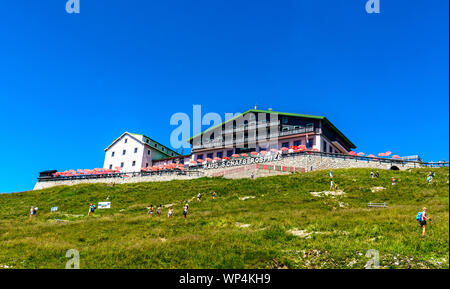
x=123 y=175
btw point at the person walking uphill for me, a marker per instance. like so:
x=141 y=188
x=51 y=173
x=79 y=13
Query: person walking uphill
x=422 y=218
x=91 y=209
x=185 y=210
x=150 y=211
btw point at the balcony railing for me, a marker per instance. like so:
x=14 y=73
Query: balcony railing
x=221 y=143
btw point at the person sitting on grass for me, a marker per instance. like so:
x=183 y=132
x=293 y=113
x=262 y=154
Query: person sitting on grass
x=377 y=174
x=91 y=209
x=214 y=195
x=371 y=175
x=185 y=210
x=150 y=211
x=170 y=213
x=158 y=211
x=393 y=180
x=422 y=218
x=199 y=196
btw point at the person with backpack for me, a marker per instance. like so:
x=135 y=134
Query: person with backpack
x=91 y=209
x=422 y=218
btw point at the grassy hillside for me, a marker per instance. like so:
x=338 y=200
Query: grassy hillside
x=332 y=231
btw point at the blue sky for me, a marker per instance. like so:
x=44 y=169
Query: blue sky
x=70 y=84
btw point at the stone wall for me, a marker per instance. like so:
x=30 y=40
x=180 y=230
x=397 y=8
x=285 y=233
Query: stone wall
x=154 y=178
x=317 y=162
x=308 y=162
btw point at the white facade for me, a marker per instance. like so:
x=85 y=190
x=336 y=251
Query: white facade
x=132 y=152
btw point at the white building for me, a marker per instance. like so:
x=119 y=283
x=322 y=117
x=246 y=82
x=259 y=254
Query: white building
x=133 y=151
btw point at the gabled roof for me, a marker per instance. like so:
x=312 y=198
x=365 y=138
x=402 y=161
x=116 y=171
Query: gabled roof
x=133 y=135
x=326 y=121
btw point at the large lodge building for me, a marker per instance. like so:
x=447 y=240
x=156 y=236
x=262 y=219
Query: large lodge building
x=253 y=130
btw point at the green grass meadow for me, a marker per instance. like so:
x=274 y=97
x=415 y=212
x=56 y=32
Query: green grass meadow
x=229 y=232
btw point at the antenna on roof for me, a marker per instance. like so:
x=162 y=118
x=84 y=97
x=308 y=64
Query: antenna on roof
x=256 y=106
x=270 y=109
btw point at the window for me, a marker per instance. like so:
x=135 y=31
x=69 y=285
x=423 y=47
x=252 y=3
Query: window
x=310 y=143
x=284 y=119
x=148 y=152
x=121 y=165
x=126 y=140
x=112 y=154
x=285 y=145
x=229 y=153
x=146 y=165
x=199 y=157
x=297 y=142
x=110 y=167
x=135 y=150
x=134 y=163
x=124 y=152
x=210 y=156
x=220 y=154
x=156 y=145
x=324 y=146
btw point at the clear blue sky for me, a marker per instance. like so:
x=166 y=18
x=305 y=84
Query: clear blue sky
x=70 y=84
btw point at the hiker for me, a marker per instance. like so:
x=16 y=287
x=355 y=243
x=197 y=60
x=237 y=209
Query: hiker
x=91 y=209
x=185 y=210
x=150 y=211
x=199 y=196
x=252 y=175
x=336 y=187
x=429 y=179
x=393 y=180
x=331 y=185
x=214 y=195
x=371 y=175
x=158 y=211
x=170 y=213
x=377 y=174
x=422 y=219
x=331 y=173
x=33 y=211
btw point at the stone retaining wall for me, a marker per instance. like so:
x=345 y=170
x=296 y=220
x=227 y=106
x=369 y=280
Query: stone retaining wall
x=308 y=162
x=154 y=178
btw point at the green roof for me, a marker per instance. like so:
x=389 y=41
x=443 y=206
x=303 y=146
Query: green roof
x=281 y=113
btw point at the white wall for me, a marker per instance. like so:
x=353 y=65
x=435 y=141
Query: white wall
x=129 y=156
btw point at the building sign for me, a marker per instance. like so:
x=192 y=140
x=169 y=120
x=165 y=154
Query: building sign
x=242 y=162
x=104 y=205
